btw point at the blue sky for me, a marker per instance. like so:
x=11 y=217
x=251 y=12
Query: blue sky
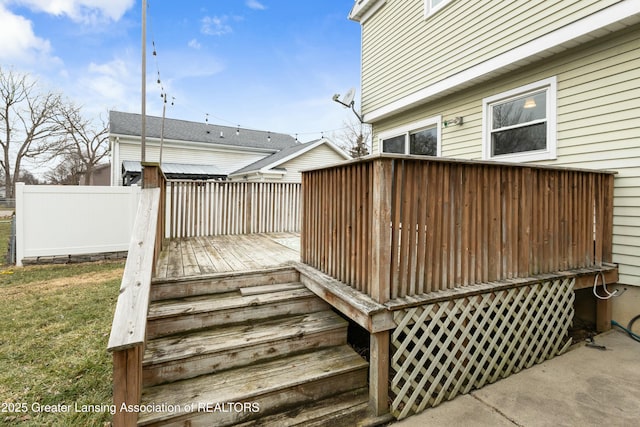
x=261 y=64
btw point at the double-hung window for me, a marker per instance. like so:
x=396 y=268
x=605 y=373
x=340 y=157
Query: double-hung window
x=520 y=125
x=419 y=138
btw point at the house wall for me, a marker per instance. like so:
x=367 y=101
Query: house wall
x=598 y=124
x=403 y=52
x=101 y=175
x=317 y=157
x=227 y=160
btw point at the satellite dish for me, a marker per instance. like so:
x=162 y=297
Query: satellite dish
x=348 y=98
x=347 y=101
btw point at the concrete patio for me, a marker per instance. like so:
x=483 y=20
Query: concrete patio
x=583 y=387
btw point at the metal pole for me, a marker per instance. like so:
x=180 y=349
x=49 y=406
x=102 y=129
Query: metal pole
x=164 y=111
x=143 y=132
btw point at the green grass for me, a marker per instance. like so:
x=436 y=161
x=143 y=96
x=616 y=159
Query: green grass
x=55 y=323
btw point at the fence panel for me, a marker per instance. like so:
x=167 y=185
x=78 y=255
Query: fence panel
x=211 y=208
x=73 y=220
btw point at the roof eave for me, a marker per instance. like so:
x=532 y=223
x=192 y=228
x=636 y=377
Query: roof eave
x=363 y=9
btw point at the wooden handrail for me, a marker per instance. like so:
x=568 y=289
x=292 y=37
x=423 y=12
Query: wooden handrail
x=130 y=318
x=128 y=331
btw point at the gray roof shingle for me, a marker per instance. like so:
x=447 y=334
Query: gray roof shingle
x=131 y=124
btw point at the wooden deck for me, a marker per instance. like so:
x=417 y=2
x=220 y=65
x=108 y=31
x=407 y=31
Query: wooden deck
x=220 y=254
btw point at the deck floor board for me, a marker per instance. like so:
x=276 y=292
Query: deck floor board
x=221 y=254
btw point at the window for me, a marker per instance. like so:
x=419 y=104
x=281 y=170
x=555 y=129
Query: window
x=520 y=125
x=420 y=138
x=432 y=6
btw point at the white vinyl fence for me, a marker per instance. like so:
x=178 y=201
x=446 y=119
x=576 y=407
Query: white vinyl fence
x=73 y=220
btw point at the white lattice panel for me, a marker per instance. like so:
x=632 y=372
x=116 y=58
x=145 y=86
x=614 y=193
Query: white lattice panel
x=444 y=349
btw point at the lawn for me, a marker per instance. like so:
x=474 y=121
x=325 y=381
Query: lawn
x=55 y=323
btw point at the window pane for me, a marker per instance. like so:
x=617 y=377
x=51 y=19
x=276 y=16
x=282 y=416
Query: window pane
x=521 y=110
x=435 y=2
x=526 y=138
x=424 y=142
x=394 y=145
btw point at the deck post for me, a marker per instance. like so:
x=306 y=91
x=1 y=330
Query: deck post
x=603 y=307
x=127 y=384
x=380 y=283
x=381 y=231
x=151 y=175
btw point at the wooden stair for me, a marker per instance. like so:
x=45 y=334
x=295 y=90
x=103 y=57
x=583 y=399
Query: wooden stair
x=249 y=350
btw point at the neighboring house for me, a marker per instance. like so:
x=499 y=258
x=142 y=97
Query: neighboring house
x=286 y=164
x=550 y=82
x=194 y=150
x=100 y=175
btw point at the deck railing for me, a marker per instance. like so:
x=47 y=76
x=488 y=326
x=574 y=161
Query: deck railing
x=210 y=208
x=397 y=226
x=128 y=331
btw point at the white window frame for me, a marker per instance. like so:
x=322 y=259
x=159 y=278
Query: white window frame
x=549 y=85
x=410 y=128
x=430 y=10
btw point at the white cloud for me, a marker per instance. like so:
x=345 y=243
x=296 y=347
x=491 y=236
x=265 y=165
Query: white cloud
x=19 y=42
x=85 y=11
x=216 y=25
x=255 y=4
x=194 y=44
x=111 y=84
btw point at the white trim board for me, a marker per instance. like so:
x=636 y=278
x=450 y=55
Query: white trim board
x=364 y=9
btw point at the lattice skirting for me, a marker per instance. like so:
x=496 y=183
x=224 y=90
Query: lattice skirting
x=448 y=348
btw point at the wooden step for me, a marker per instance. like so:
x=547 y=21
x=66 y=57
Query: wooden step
x=198 y=353
x=267 y=388
x=163 y=289
x=343 y=410
x=187 y=314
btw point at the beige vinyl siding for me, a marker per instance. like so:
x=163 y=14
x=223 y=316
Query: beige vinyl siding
x=403 y=52
x=598 y=124
x=317 y=157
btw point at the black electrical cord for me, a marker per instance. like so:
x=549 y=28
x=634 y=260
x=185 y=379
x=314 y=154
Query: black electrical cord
x=629 y=328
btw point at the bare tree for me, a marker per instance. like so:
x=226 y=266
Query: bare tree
x=28 y=178
x=28 y=125
x=68 y=171
x=85 y=144
x=355 y=139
